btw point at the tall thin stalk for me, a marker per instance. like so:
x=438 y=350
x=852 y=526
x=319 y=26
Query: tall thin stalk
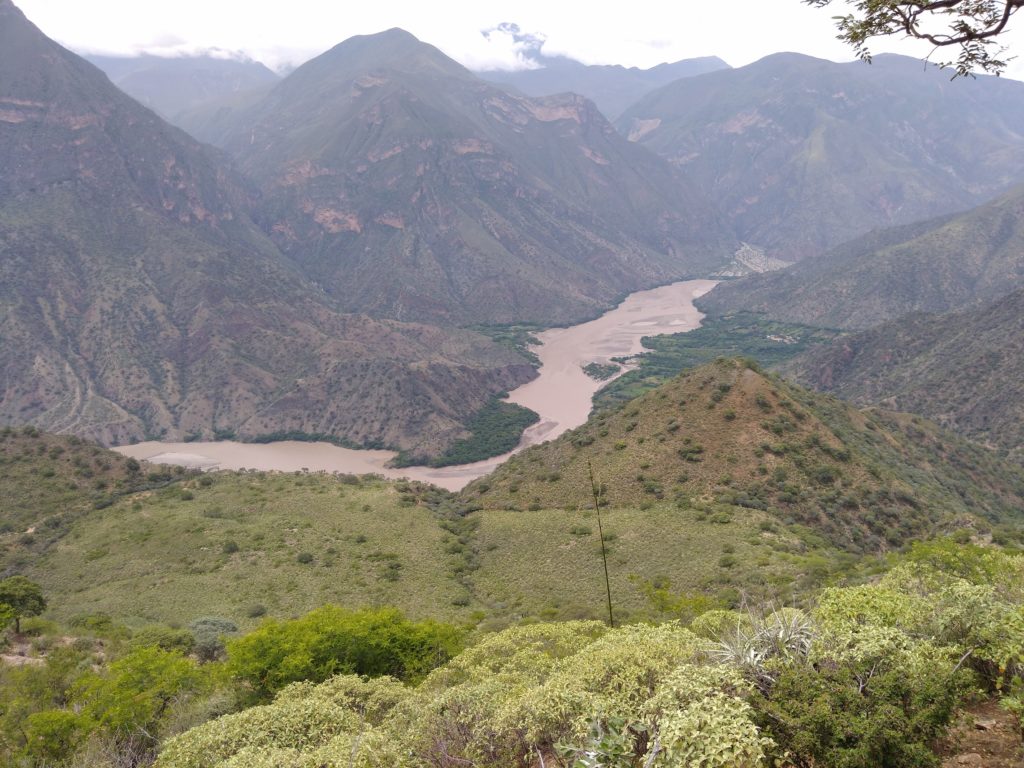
x=604 y=553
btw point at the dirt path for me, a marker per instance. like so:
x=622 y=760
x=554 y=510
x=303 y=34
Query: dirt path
x=986 y=736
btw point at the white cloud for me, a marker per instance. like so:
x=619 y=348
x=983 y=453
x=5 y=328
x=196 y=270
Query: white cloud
x=639 y=33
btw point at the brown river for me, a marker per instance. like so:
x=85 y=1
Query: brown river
x=561 y=394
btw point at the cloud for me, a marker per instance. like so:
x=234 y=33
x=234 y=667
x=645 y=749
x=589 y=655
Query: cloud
x=641 y=33
x=514 y=48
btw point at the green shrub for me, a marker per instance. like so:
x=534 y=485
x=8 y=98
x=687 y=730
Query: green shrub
x=209 y=633
x=129 y=701
x=53 y=736
x=164 y=637
x=331 y=641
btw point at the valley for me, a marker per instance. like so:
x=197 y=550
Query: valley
x=561 y=395
x=433 y=391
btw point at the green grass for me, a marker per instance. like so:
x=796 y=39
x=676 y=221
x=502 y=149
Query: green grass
x=227 y=542
x=544 y=564
x=49 y=481
x=743 y=334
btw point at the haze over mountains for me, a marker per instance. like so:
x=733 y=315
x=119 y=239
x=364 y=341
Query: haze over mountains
x=187 y=89
x=802 y=154
x=612 y=88
x=173 y=86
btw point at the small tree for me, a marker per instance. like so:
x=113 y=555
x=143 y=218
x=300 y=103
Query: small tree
x=20 y=597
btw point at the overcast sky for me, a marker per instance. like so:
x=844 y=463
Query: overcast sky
x=636 y=33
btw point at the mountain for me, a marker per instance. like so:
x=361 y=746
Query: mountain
x=138 y=298
x=612 y=88
x=409 y=188
x=171 y=86
x=803 y=154
x=964 y=370
x=933 y=266
x=726 y=434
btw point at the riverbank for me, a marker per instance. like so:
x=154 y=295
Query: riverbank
x=561 y=395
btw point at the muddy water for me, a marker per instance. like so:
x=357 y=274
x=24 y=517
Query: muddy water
x=561 y=394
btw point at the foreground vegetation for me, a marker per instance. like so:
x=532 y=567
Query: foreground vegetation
x=863 y=676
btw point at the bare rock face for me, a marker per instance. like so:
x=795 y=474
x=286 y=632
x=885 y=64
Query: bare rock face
x=139 y=299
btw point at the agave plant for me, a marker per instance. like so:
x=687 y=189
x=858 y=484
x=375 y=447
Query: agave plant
x=780 y=634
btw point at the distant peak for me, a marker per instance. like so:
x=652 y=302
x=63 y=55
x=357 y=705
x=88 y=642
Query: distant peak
x=396 y=33
x=391 y=49
x=10 y=13
x=396 y=36
x=789 y=57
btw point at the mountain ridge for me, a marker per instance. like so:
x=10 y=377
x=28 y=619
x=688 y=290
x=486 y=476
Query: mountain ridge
x=803 y=154
x=963 y=369
x=939 y=265
x=612 y=87
x=416 y=191
x=727 y=434
x=139 y=299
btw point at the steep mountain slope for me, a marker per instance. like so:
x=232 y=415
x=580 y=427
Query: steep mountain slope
x=137 y=298
x=612 y=87
x=933 y=266
x=171 y=86
x=408 y=188
x=726 y=434
x=803 y=154
x=964 y=370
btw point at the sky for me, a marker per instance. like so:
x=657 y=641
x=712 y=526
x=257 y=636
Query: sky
x=640 y=33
